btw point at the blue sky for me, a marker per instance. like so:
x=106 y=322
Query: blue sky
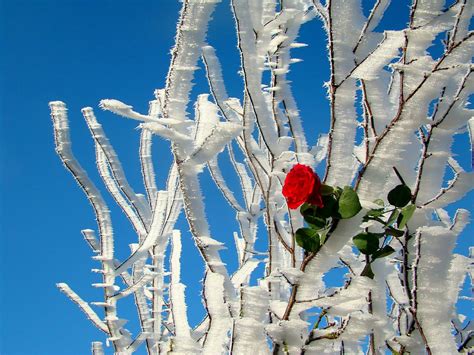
x=81 y=51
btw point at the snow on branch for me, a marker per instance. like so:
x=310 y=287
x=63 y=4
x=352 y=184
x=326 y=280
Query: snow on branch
x=84 y=306
x=97 y=348
x=183 y=339
x=152 y=236
x=114 y=178
x=63 y=148
x=277 y=299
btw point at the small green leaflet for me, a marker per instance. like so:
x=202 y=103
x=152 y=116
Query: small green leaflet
x=367 y=243
x=394 y=232
x=308 y=239
x=326 y=190
x=315 y=222
x=406 y=214
x=385 y=251
x=349 y=204
x=393 y=217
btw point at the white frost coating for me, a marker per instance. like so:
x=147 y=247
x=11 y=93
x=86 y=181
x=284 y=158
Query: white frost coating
x=152 y=236
x=461 y=220
x=94 y=318
x=470 y=126
x=216 y=83
x=382 y=328
x=183 y=340
x=210 y=136
x=206 y=117
x=242 y=275
x=166 y=133
x=189 y=41
x=290 y=26
x=63 y=148
x=345 y=34
x=215 y=142
x=460 y=185
x=249 y=327
x=464 y=11
x=377 y=96
x=342 y=136
x=376 y=15
x=245 y=181
x=111 y=172
x=97 y=348
x=216 y=175
x=194 y=208
x=327 y=257
x=456 y=276
x=292 y=275
x=381 y=56
x=143 y=336
x=411 y=106
x=252 y=70
x=426 y=10
x=122 y=109
x=218 y=312
x=321 y=148
x=240 y=247
x=290 y=332
x=190 y=36
x=89 y=236
x=146 y=278
x=434 y=304
x=146 y=162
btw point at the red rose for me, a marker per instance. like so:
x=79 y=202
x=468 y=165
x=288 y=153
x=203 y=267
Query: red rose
x=302 y=185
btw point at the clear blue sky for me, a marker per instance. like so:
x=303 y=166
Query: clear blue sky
x=81 y=51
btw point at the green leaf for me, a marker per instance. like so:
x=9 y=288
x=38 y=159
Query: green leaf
x=367 y=272
x=349 y=204
x=315 y=222
x=407 y=213
x=308 y=239
x=383 y=252
x=329 y=209
x=394 y=232
x=378 y=220
x=323 y=235
x=399 y=196
x=305 y=207
x=375 y=212
x=367 y=243
x=393 y=217
x=311 y=216
x=307 y=210
x=326 y=190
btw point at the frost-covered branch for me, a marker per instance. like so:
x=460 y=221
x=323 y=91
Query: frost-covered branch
x=412 y=103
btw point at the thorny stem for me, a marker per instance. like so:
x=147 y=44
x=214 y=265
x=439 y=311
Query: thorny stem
x=425 y=138
x=371 y=336
x=403 y=100
x=332 y=90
